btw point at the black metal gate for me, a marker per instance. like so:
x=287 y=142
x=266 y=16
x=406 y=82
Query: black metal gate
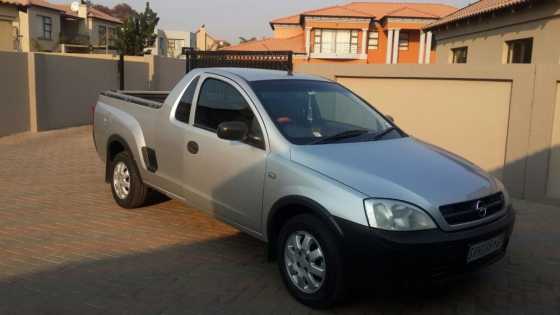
x=273 y=60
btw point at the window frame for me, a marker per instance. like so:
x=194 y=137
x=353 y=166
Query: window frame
x=102 y=38
x=404 y=41
x=202 y=79
x=195 y=80
x=353 y=41
x=454 y=54
x=111 y=36
x=46 y=21
x=509 y=45
x=317 y=40
x=370 y=46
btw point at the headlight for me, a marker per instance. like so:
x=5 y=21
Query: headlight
x=396 y=215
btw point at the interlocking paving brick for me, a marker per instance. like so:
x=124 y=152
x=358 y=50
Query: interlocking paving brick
x=67 y=248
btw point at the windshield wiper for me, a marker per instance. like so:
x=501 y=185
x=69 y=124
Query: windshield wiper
x=341 y=135
x=382 y=133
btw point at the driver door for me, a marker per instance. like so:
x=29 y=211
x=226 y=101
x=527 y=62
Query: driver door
x=222 y=176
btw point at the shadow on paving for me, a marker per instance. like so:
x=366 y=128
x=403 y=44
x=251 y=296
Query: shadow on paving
x=228 y=275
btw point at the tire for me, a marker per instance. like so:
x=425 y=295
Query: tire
x=136 y=194
x=332 y=287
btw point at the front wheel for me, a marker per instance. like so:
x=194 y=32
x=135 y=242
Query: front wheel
x=310 y=261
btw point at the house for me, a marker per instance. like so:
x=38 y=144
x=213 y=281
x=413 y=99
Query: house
x=171 y=43
x=500 y=32
x=357 y=32
x=9 y=24
x=205 y=41
x=37 y=25
x=82 y=25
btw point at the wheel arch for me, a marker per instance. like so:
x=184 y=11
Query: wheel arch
x=289 y=206
x=115 y=145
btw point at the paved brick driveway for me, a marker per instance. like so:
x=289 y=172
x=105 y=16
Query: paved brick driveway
x=66 y=248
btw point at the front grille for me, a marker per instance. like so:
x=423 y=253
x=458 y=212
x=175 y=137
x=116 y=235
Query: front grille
x=467 y=211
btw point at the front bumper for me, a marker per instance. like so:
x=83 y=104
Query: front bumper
x=430 y=253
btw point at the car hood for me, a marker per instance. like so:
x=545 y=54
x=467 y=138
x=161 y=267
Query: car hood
x=405 y=169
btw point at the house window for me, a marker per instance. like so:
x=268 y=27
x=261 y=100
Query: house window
x=102 y=35
x=373 y=40
x=111 y=33
x=46 y=27
x=336 y=41
x=460 y=54
x=317 y=40
x=174 y=47
x=171 y=46
x=520 y=50
x=403 y=41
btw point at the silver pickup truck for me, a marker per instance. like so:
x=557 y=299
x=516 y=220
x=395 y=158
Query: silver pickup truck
x=333 y=187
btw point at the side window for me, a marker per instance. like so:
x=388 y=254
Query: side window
x=183 y=111
x=219 y=102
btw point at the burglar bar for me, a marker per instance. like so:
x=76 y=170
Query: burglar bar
x=273 y=60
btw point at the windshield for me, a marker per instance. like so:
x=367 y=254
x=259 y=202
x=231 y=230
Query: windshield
x=317 y=112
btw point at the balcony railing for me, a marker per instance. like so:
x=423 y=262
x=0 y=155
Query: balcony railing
x=74 y=39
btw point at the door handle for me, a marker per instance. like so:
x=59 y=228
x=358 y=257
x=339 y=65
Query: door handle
x=192 y=147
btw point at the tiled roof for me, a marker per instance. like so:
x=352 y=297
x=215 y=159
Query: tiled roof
x=380 y=10
x=477 y=8
x=292 y=19
x=38 y=3
x=337 y=10
x=92 y=12
x=14 y=2
x=406 y=11
x=295 y=44
x=377 y=10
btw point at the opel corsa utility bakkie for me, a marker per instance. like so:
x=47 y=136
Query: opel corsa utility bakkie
x=304 y=164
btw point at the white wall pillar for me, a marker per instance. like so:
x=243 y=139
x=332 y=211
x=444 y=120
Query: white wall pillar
x=421 y=49
x=364 y=42
x=308 y=41
x=396 y=46
x=428 y=47
x=389 y=55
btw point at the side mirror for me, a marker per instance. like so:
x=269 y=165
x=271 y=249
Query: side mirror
x=233 y=130
x=390 y=118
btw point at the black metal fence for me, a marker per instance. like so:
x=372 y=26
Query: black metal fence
x=274 y=60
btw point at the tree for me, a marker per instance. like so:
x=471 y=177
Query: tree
x=137 y=32
x=123 y=11
x=102 y=8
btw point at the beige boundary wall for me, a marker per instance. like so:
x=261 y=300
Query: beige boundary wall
x=14 y=108
x=169 y=72
x=504 y=118
x=66 y=87
x=44 y=91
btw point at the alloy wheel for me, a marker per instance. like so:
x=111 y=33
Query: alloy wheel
x=305 y=262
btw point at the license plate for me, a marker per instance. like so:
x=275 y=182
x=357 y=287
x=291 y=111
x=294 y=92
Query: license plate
x=485 y=248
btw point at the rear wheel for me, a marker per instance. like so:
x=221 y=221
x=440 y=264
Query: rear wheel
x=310 y=261
x=127 y=187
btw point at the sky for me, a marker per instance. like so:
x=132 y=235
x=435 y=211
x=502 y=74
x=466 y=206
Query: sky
x=228 y=19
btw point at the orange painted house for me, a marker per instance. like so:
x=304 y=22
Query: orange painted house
x=357 y=32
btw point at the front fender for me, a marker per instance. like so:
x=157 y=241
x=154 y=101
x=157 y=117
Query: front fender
x=294 y=182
